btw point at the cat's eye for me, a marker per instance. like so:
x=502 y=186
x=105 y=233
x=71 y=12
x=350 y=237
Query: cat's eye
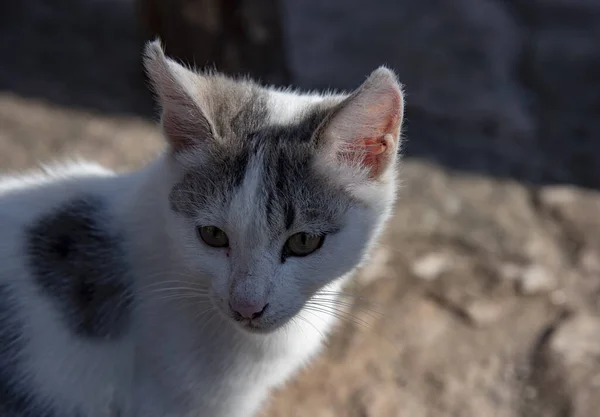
x=213 y=236
x=303 y=244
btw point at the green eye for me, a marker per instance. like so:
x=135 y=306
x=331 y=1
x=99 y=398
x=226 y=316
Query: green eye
x=213 y=236
x=302 y=244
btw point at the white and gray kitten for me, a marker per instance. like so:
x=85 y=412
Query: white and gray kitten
x=185 y=288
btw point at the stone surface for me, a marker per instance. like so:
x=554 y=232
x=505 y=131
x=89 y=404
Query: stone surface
x=431 y=266
x=487 y=312
x=568 y=376
x=32 y=131
x=535 y=280
x=502 y=100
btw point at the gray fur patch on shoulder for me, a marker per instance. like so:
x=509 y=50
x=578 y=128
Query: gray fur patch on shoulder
x=79 y=263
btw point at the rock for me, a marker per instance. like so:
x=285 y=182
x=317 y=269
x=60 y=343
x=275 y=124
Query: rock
x=574 y=212
x=486 y=312
x=576 y=342
x=558 y=298
x=496 y=220
x=115 y=141
x=536 y=279
x=431 y=266
x=511 y=271
x=577 y=212
x=568 y=368
x=590 y=261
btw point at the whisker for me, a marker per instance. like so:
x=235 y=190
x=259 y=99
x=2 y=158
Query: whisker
x=352 y=320
x=170 y=281
x=374 y=314
x=203 y=312
x=315 y=315
x=193 y=281
x=345 y=302
x=304 y=319
x=347 y=295
x=340 y=315
x=168 y=292
x=190 y=289
x=210 y=319
x=182 y=297
x=350 y=298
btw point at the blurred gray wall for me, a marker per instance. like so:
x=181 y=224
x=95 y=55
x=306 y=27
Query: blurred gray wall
x=504 y=87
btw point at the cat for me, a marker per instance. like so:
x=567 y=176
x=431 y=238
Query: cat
x=198 y=283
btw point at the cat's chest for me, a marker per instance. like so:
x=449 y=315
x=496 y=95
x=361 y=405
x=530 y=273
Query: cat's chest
x=220 y=355
x=234 y=389
x=219 y=372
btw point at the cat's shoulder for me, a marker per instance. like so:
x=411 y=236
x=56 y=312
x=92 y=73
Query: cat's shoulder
x=34 y=182
x=28 y=195
x=59 y=232
x=41 y=206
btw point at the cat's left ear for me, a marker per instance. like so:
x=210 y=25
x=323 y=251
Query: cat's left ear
x=184 y=122
x=364 y=130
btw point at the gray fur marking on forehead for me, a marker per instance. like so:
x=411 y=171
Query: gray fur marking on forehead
x=291 y=190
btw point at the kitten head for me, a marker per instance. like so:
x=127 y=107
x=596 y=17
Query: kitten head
x=276 y=194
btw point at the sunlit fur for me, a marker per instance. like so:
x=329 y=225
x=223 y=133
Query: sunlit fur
x=184 y=354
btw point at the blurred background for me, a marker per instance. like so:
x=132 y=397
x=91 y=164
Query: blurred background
x=487 y=284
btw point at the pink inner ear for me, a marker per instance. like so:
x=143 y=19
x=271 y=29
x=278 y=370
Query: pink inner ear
x=366 y=129
x=371 y=153
x=374 y=152
x=375 y=146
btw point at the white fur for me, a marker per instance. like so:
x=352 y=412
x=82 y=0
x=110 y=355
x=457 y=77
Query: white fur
x=286 y=105
x=185 y=357
x=177 y=362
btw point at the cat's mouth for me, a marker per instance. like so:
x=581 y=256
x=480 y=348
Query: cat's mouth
x=253 y=326
x=260 y=326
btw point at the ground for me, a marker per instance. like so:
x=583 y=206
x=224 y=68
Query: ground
x=483 y=298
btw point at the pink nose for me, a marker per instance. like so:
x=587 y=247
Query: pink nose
x=247 y=310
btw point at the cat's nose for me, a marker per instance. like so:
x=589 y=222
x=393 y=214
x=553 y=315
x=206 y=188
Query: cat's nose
x=247 y=310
